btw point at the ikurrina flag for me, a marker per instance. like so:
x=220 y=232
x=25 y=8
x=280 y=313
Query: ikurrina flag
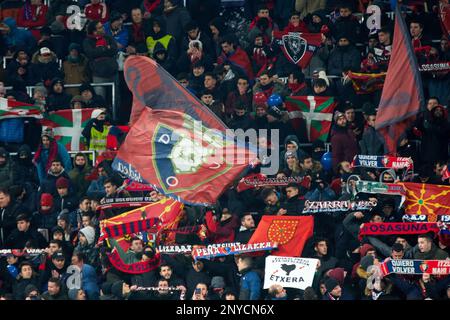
x=316 y=113
x=67 y=126
x=16 y=109
x=298 y=47
x=427 y=199
x=365 y=83
x=402 y=95
x=178 y=146
x=290 y=233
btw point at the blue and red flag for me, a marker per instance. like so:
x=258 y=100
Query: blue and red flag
x=402 y=96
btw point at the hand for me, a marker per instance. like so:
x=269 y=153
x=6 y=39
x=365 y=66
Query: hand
x=182 y=288
x=147 y=15
x=324 y=38
x=358 y=215
x=281 y=212
x=133 y=288
x=55 y=274
x=426 y=277
x=131 y=50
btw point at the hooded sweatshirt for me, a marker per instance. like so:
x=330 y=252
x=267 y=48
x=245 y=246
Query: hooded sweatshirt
x=18 y=37
x=58 y=101
x=6 y=170
x=24 y=169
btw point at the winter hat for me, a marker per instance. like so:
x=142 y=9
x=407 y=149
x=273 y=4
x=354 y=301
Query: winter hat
x=46 y=200
x=116 y=289
x=62 y=182
x=330 y=284
x=323 y=75
x=89 y=233
x=57 y=229
x=366 y=262
x=74 y=46
x=87 y=86
x=63 y=215
x=45 y=50
x=290 y=154
x=337 y=274
x=365 y=248
x=96 y=113
x=338 y=115
x=217 y=282
x=29 y=289
x=73 y=294
x=41 y=88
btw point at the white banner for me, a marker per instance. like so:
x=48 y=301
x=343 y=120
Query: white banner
x=289 y=272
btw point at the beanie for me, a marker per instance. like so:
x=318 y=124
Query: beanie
x=338 y=115
x=96 y=113
x=365 y=248
x=330 y=284
x=46 y=200
x=366 y=262
x=29 y=289
x=62 y=183
x=217 y=282
x=337 y=274
x=117 y=289
x=89 y=233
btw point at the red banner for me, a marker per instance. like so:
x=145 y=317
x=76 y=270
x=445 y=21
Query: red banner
x=378 y=229
x=298 y=47
x=365 y=83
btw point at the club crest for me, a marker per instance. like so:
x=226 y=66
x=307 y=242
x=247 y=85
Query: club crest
x=295 y=46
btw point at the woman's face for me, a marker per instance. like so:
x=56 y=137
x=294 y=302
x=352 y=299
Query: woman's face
x=45 y=141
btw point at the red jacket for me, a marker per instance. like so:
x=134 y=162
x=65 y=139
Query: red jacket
x=344 y=145
x=97 y=12
x=220 y=232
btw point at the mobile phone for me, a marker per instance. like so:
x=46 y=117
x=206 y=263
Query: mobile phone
x=197 y=291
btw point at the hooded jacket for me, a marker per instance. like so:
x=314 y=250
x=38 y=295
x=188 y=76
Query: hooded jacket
x=18 y=37
x=89 y=249
x=176 y=19
x=24 y=169
x=8 y=220
x=102 y=60
x=343 y=144
x=78 y=177
x=12 y=75
x=19 y=239
x=58 y=101
x=6 y=171
x=46 y=68
x=163 y=37
x=167 y=63
x=341 y=57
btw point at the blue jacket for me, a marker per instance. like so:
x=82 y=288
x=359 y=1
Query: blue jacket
x=89 y=282
x=19 y=38
x=96 y=188
x=122 y=37
x=250 y=286
x=42 y=161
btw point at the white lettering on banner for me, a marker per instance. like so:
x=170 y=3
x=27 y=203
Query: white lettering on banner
x=74 y=280
x=289 y=272
x=129 y=172
x=165 y=138
x=403 y=270
x=402 y=263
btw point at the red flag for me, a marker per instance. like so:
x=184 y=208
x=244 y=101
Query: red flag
x=365 y=83
x=402 y=95
x=298 y=47
x=289 y=232
x=316 y=112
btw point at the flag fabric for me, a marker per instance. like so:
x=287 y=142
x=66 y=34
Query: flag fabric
x=181 y=157
x=153 y=87
x=444 y=16
x=365 y=83
x=67 y=126
x=16 y=109
x=428 y=199
x=402 y=96
x=298 y=47
x=316 y=112
x=397 y=228
x=290 y=233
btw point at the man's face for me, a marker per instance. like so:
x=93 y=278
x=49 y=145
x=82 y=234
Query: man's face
x=12 y=259
x=193 y=33
x=248 y=222
x=371 y=253
x=431 y=104
x=387 y=210
x=226 y=47
x=62 y=192
x=415 y=29
x=264 y=80
x=291 y=192
x=110 y=189
x=239 y=112
x=242 y=84
x=319 y=89
x=271 y=199
x=85 y=205
x=58 y=88
x=260 y=111
x=323 y=289
x=198 y=71
x=341 y=122
x=387 y=177
x=80 y=161
x=198 y=266
x=163 y=287
x=53 y=289
x=402 y=241
x=53 y=248
x=210 y=82
x=23 y=225
x=308 y=164
x=295 y=20
x=291 y=147
x=337 y=291
x=85 y=221
x=83 y=239
x=87 y=95
x=259 y=41
x=207 y=99
x=397 y=255
x=58 y=236
x=99 y=29
x=376 y=219
x=4 y=200
x=345 y=12
x=166 y=272
x=156 y=28
x=26 y=272
x=214 y=30
x=59 y=263
x=424 y=245
x=372 y=42
x=321 y=248
x=384 y=38
x=350 y=115
x=371 y=121
x=343 y=42
x=346 y=167
x=263 y=13
x=56 y=167
x=136 y=16
x=137 y=246
x=438 y=113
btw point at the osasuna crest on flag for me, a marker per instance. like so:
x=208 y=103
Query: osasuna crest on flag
x=16 y=109
x=181 y=157
x=298 y=47
x=314 y=113
x=67 y=126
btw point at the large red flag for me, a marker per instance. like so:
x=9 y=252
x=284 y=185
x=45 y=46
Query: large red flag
x=289 y=232
x=402 y=96
x=298 y=47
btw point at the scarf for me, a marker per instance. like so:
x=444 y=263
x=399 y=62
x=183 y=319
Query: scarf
x=53 y=152
x=138 y=32
x=394 y=228
x=100 y=40
x=133 y=268
x=338 y=206
x=151 y=6
x=300 y=28
x=403 y=266
x=296 y=87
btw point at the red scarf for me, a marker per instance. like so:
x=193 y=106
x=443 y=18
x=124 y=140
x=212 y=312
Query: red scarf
x=138 y=32
x=100 y=40
x=300 y=28
x=151 y=6
x=387 y=228
x=296 y=87
x=53 y=152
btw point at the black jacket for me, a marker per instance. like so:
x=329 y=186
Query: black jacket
x=18 y=239
x=294 y=206
x=24 y=170
x=8 y=220
x=102 y=60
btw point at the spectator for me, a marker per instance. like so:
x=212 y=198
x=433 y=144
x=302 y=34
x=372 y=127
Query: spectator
x=86 y=245
x=427 y=250
x=96 y=131
x=159 y=34
x=218 y=30
x=81 y=169
x=114 y=28
x=309 y=7
x=268 y=85
x=372 y=143
x=250 y=285
x=55 y=172
x=343 y=56
x=221 y=228
x=176 y=18
x=6 y=169
x=55 y=290
x=57 y=98
x=90 y=98
x=101 y=51
x=263 y=24
x=88 y=277
x=246 y=229
x=161 y=56
x=17 y=38
x=346 y=24
x=235 y=56
x=96 y=11
x=75 y=68
x=65 y=200
x=24 y=235
x=27 y=276
x=46 y=67
x=45 y=217
x=139 y=30
x=33 y=16
x=20 y=70
x=9 y=210
x=296 y=24
x=193 y=33
x=55 y=268
x=241 y=95
x=343 y=141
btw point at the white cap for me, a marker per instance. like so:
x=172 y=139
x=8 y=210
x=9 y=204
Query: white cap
x=96 y=113
x=45 y=50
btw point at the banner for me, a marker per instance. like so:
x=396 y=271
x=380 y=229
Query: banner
x=290 y=233
x=404 y=266
x=67 y=126
x=214 y=252
x=289 y=272
x=380 y=162
x=21 y=252
x=425 y=218
x=435 y=67
x=397 y=228
x=16 y=109
x=402 y=97
x=316 y=113
x=132 y=268
x=428 y=199
x=134 y=186
x=124 y=202
x=298 y=47
x=187 y=248
x=366 y=83
x=259 y=180
x=338 y=206
x=374 y=187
